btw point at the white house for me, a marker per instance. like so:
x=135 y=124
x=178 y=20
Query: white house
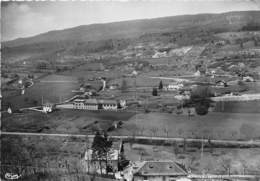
x=122 y=103
x=89 y=104
x=160 y=54
x=9 y=110
x=94 y=104
x=109 y=104
x=197 y=74
x=173 y=87
x=182 y=97
x=47 y=108
x=248 y=79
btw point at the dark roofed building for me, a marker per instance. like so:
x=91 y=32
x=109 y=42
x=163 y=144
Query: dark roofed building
x=160 y=171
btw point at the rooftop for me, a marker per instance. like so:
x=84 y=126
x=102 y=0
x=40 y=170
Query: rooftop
x=161 y=168
x=95 y=101
x=107 y=101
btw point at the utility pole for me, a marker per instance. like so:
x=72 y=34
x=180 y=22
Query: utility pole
x=202 y=147
x=201 y=154
x=42 y=100
x=135 y=89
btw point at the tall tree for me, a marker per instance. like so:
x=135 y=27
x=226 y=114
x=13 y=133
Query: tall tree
x=155 y=92
x=15 y=157
x=101 y=146
x=160 y=85
x=256 y=41
x=200 y=97
x=123 y=85
x=241 y=44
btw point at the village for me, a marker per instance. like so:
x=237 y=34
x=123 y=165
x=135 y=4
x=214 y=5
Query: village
x=166 y=103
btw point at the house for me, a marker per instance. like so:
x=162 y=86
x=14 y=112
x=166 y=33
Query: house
x=197 y=74
x=122 y=103
x=182 y=97
x=89 y=104
x=109 y=104
x=94 y=104
x=221 y=83
x=154 y=170
x=220 y=43
x=92 y=164
x=160 y=54
x=48 y=107
x=173 y=87
x=113 y=86
x=248 y=79
x=9 y=110
x=134 y=73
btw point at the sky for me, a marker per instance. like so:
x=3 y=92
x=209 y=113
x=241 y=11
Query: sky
x=24 y=19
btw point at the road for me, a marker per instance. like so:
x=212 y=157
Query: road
x=219 y=177
x=57 y=81
x=251 y=143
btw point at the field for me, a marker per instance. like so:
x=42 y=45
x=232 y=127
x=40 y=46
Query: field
x=240 y=161
x=214 y=126
x=238 y=107
x=43 y=89
x=63 y=121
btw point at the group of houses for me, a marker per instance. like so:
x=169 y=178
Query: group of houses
x=133 y=171
x=95 y=104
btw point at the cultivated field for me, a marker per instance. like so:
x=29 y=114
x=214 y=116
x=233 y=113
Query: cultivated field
x=63 y=121
x=213 y=125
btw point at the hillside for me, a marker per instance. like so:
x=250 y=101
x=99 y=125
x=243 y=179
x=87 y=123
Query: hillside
x=127 y=29
x=182 y=30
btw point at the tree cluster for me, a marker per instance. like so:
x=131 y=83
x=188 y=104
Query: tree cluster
x=200 y=97
x=101 y=146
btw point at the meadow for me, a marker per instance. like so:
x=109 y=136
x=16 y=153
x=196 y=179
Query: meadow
x=214 y=125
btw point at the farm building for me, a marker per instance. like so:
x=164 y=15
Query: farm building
x=173 y=87
x=89 y=104
x=94 y=104
x=221 y=83
x=48 y=107
x=109 y=104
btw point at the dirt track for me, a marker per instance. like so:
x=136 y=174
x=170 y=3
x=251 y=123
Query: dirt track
x=251 y=143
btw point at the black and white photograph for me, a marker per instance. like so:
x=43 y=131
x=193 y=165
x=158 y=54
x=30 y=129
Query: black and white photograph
x=130 y=90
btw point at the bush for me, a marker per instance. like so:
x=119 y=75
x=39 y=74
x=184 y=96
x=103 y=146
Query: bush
x=147 y=110
x=155 y=92
x=124 y=85
x=201 y=108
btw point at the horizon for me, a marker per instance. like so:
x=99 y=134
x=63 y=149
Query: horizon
x=119 y=22
x=29 y=19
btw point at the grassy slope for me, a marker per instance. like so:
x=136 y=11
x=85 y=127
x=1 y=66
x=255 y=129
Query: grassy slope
x=213 y=125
